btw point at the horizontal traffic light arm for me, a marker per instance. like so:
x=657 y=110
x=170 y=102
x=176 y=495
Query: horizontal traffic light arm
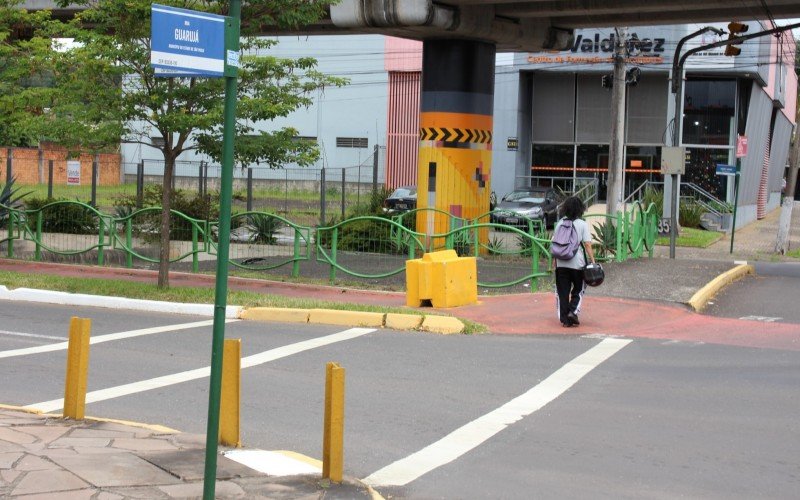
x=737 y=40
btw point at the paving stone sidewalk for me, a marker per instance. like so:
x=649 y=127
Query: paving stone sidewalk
x=44 y=457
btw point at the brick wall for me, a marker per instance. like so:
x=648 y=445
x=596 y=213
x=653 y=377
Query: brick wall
x=25 y=166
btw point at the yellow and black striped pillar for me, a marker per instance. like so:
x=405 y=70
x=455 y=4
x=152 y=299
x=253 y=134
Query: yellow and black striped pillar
x=455 y=150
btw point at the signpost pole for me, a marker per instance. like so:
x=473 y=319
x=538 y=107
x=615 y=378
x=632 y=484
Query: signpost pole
x=735 y=198
x=220 y=296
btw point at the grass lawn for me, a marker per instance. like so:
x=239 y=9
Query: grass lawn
x=134 y=290
x=691 y=237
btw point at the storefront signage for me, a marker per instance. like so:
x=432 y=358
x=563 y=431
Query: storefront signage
x=512 y=144
x=723 y=169
x=741 y=146
x=73 y=173
x=599 y=48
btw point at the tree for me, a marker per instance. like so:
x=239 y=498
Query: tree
x=113 y=45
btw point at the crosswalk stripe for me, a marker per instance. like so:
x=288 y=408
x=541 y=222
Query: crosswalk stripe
x=60 y=346
x=198 y=373
x=471 y=435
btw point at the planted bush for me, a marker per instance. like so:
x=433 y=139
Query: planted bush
x=690 y=214
x=67 y=216
x=147 y=225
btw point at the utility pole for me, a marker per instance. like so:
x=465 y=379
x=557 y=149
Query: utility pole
x=616 y=151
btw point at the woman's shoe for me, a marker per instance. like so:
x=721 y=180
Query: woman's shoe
x=573 y=318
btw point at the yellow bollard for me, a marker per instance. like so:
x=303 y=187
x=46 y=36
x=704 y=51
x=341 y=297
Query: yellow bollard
x=231 y=393
x=333 y=433
x=77 y=368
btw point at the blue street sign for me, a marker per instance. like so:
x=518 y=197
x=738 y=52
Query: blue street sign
x=723 y=169
x=186 y=42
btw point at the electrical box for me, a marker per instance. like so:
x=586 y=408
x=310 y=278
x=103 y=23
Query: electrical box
x=673 y=160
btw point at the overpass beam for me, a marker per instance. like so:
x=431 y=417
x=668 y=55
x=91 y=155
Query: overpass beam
x=455 y=150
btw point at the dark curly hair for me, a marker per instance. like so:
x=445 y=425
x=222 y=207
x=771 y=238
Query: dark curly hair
x=572 y=208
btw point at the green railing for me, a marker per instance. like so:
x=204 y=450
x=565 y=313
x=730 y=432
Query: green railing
x=369 y=247
x=149 y=226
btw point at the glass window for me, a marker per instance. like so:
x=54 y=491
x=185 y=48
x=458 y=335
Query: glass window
x=593 y=163
x=708 y=111
x=702 y=170
x=642 y=163
x=592 y=158
x=551 y=162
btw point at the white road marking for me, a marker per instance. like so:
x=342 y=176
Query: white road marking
x=31 y=335
x=272 y=462
x=765 y=319
x=177 y=378
x=60 y=346
x=469 y=436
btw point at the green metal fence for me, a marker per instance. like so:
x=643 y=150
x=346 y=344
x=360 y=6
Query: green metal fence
x=369 y=247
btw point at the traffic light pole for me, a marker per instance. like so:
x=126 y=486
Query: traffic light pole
x=676 y=87
x=677 y=90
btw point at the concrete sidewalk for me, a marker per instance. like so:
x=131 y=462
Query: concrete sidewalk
x=45 y=457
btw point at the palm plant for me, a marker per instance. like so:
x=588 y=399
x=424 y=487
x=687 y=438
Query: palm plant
x=605 y=241
x=263 y=227
x=10 y=198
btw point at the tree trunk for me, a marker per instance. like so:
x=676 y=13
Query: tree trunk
x=782 y=239
x=166 y=198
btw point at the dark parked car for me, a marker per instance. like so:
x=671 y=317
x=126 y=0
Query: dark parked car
x=518 y=206
x=402 y=199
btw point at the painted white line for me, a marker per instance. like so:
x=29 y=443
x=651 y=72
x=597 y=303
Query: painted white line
x=31 y=335
x=271 y=462
x=177 y=378
x=765 y=319
x=80 y=299
x=471 y=435
x=60 y=346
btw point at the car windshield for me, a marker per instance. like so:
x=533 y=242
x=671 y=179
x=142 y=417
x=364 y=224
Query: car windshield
x=525 y=197
x=404 y=192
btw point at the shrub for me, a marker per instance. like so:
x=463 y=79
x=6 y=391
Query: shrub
x=690 y=214
x=9 y=198
x=654 y=196
x=263 y=227
x=605 y=240
x=70 y=217
x=194 y=205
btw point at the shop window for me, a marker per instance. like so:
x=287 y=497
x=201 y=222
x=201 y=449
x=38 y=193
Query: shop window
x=708 y=112
x=642 y=163
x=551 y=161
x=701 y=170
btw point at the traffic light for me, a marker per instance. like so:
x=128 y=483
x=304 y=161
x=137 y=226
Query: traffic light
x=632 y=76
x=734 y=29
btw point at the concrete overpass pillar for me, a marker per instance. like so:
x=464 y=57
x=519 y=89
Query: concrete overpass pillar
x=455 y=149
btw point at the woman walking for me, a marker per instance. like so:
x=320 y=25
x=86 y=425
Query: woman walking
x=569 y=272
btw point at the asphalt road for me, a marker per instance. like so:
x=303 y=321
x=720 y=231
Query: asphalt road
x=625 y=420
x=768 y=296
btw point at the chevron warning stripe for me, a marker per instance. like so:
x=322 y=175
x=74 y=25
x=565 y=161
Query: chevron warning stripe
x=446 y=134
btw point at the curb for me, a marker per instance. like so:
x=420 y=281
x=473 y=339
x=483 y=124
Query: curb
x=445 y=325
x=700 y=299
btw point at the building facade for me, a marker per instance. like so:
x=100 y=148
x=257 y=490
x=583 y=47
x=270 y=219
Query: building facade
x=553 y=114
